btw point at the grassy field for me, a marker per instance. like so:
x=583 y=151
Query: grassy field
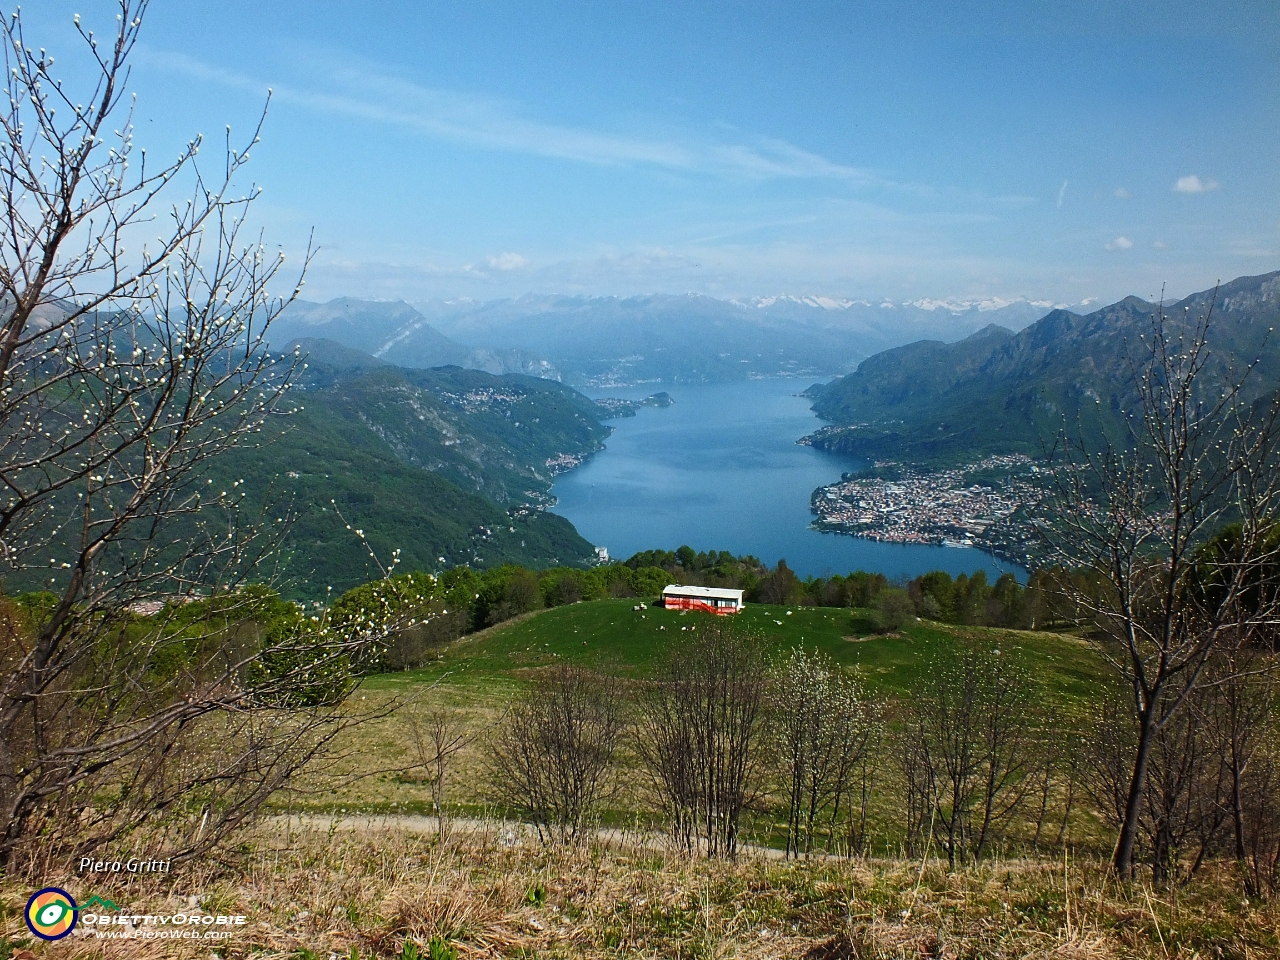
x=477 y=676
x=344 y=881
x=610 y=635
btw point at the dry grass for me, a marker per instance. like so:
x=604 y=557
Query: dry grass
x=493 y=893
x=375 y=767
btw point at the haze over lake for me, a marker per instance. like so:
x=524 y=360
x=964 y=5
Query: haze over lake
x=721 y=470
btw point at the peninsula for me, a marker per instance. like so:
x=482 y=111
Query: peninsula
x=986 y=504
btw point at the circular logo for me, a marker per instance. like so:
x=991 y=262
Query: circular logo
x=51 y=913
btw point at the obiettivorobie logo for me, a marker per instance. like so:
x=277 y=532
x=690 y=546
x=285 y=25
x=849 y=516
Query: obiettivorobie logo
x=52 y=912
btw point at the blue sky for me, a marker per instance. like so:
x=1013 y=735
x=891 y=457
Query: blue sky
x=907 y=150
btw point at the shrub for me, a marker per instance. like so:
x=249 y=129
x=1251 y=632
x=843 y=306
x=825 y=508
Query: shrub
x=893 y=609
x=551 y=759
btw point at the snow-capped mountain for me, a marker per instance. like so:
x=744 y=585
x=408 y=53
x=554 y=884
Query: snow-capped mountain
x=662 y=337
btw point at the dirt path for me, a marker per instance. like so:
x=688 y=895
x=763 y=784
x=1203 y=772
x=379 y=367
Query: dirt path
x=505 y=832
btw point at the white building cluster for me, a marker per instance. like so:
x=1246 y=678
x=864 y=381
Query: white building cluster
x=943 y=507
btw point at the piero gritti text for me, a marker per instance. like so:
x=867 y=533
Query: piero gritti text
x=131 y=865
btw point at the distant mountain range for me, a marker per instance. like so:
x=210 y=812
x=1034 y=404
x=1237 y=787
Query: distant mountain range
x=396 y=333
x=606 y=341
x=998 y=391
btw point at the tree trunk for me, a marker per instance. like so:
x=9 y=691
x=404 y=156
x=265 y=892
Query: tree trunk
x=1123 y=861
x=1237 y=813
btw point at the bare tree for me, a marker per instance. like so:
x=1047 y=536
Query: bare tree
x=1187 y=792
x=1243 y=721
x=1104 y=775
x=1260 y=818
x=920 y=789
x=969 y=750
x=1186 y=796
x=127 y=365
x=438 y=738
x=699 y=734
x=1138 y=514
x=1057 y=775
x=823 y=726
x=551 y=759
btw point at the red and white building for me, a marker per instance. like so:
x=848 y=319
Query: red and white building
x=706 y=599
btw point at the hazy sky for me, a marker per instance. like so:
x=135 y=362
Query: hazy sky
x=898 y=149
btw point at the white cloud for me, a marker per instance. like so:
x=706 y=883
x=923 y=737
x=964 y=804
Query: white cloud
x=1121 y=193
x=1193 y=184
x=1160 y=245
x=1062 y=192
x=507 y=261
x=363 y=92
x=1119 y=243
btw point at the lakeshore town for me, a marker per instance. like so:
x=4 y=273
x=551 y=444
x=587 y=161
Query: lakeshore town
x=941 y=507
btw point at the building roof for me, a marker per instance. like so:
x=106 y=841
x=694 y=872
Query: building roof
x=717 y=593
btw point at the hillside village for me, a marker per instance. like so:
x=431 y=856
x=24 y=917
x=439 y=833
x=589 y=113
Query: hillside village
x=940 y=508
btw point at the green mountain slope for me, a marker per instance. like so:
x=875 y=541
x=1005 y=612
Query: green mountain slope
x=445 y=466
x=503 y=436
x=613 y=636
x=318 y=460
x=449 y=466
x=999 y=393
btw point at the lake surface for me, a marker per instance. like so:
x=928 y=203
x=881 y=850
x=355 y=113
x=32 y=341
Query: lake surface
x=721 y=470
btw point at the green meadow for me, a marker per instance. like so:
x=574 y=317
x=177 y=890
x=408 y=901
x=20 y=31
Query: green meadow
x=611 y=636
x=477 y=676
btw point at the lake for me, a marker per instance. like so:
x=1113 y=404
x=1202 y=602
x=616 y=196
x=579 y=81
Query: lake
x=721 y=470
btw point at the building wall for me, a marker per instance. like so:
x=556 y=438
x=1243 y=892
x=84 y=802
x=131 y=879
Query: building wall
x=688 y=603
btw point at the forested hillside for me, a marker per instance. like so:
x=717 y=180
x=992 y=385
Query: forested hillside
x=503 y=436
x=321 y=460
x=446 y=466
x=997 y=392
